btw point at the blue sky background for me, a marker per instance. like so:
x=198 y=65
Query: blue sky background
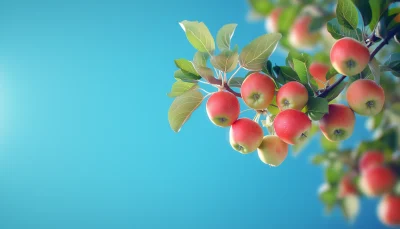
x=84 y=136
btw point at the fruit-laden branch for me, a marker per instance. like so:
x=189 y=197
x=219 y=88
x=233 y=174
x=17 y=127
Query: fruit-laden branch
x=391 y=33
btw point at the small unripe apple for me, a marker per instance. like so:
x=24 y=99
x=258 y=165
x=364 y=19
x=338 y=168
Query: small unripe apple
x=318 y=71
x=292 y=95
x=347 y=186
x=389 y=210
x=365 y=97
x=272 y=21
x=338 y=124
x=349 y=57
x=272 y=150
x=292 y=126
x=245 y=135
x=370 y=159
x=223 y=108
x=300 y=35
x=257 y=91
x=377 y=180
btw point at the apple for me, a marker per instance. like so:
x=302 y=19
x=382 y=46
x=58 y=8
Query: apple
x=349 y=57
x=292 y=95
x=389 y=210
x=365 y=97
x=338 y=124
x=223 y=108
x=257 y=91
x=245 y=135
x=318 y=71
x=272 y=150
x=347 y=186
x=377 y=180
x=292 y=126
x=272 y=21
x=370 y=159
x=300 y=36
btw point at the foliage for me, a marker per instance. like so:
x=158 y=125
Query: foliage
x=373 y=23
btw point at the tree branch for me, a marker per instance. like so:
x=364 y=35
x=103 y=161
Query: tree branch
x=391 y=33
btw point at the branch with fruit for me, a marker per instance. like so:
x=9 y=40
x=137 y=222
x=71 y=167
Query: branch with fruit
x=303 y=97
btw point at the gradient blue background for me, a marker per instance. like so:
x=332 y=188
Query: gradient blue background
x=84 y=136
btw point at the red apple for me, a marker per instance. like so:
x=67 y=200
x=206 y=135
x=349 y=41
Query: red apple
x=257 y=91
x=272 y=150
x=292 y=95
x=347 y=186
x=223 y=108
x=365 y=97
x=318 y=71
x=338 y=124
x=300 y=35
x=370 y=159
x=292 y=126
x=245 y=135
x=377 y=180
x=389 y=210
x=271 y=23
x=349 y=57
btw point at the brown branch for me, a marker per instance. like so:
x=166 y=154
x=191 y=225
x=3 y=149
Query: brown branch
x=215 y=81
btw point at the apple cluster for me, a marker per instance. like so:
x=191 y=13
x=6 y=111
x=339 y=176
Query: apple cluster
x=376 y=180
x=292 y=125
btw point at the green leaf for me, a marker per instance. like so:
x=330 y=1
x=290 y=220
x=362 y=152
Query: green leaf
x=375 y=70
x=180 y=87
x=267 y=68
x=392 y=64
x=200 y=59
x=179 y=74
x=328 y=145
x=287 y=18
x=316 y=108
x=305 y=78
x=365 y=9
x=347 y=14
x=199 y=36
x=390 y=138
x=328 y=196
x=258 y=51
x=350 y=207
x=331 y=73
x=378 y=9
x=338 y=31
x=182 y=108
x=285 y=74
x=224 y=36
x=336 y=91
x=236 y=82
x=333 y=173
x=316 y=24
x=206 y=73
x=226 y=61
x=186 y=66
x=318 y=159
x=262 y=7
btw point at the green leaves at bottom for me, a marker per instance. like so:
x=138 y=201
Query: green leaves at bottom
x=316 y=108
x=182 y=108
